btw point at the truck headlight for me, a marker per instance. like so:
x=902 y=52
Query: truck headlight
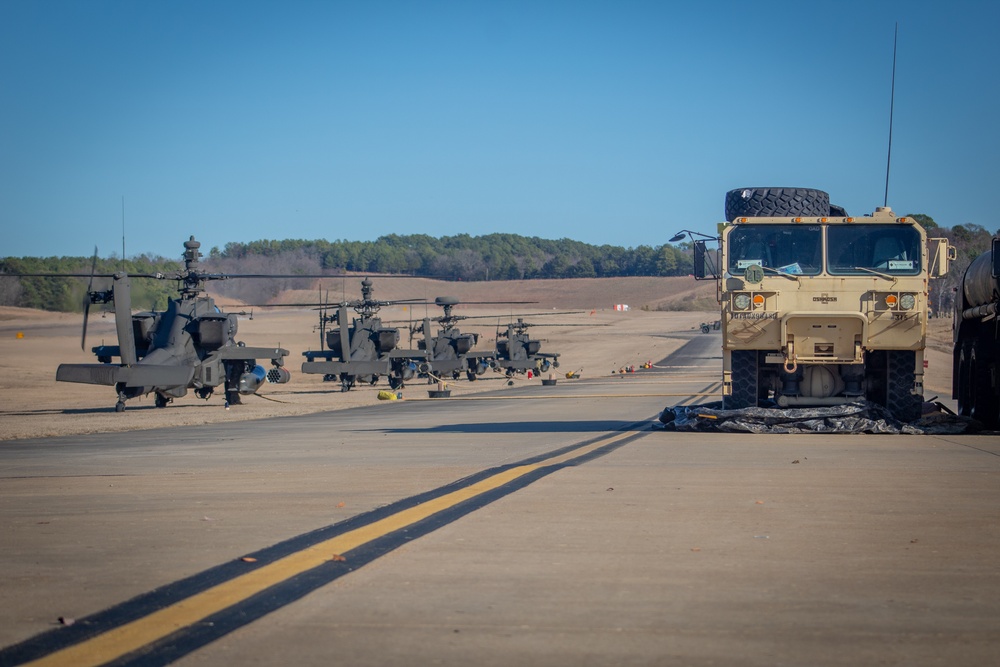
x=907 y=301
x=741 y=301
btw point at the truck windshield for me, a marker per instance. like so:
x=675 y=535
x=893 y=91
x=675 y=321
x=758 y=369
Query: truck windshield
x=859 y=249
x=792 y=249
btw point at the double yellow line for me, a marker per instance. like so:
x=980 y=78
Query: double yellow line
x=134 y=635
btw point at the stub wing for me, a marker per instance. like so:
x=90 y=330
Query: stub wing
x=251 y=353
x=134 y=376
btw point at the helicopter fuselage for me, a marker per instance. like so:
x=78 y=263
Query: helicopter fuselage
x=448 y=352
x=361 y=352
x=517 y=353
x=190 y=345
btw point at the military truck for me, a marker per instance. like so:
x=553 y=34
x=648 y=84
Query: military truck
x=818 y=307
x=976 y=371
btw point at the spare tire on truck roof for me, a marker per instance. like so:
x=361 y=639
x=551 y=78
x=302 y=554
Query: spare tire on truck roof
x=776 y=202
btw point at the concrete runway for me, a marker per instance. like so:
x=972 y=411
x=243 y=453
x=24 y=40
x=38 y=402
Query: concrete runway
x=533 y=525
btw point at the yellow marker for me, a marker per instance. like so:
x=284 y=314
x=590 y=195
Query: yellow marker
x=20 y=335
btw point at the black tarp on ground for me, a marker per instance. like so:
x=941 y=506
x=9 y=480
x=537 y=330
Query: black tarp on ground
x=857 y=417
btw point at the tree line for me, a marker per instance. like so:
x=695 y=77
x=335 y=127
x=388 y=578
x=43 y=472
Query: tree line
x=461 y=257
x=68 y=294
x=465 y=257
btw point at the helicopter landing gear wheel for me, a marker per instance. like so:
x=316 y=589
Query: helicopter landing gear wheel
x=233 y=398
x=161 y=401
x=471 y=375
x=395 y=382
x=120 y=406
x=346 y=383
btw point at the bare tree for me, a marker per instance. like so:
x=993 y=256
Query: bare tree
x=260 y=290
x=10 y=291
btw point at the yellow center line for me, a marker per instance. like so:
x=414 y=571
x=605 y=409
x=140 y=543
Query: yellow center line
x=134 y=635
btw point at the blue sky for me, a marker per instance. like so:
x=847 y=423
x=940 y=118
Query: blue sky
x=605 y=122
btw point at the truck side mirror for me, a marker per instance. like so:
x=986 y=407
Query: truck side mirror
x=940 y=254
x=704 y=262
x=699 y=260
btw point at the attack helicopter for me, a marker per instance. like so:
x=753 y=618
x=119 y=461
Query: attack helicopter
x=517 y=353
x=449 y=351
x=190 y=345
x=362 y=350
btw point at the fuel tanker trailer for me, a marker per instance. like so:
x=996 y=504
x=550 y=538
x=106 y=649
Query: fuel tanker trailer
x=976 y=371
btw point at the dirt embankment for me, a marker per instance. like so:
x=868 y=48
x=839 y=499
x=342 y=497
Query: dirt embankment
x=639 y=293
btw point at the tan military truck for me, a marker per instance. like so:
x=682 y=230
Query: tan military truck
x=818 y=307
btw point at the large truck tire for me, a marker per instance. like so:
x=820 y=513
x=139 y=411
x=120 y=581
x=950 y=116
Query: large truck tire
x=745 y=371
x=963 y=379
x=900 y=376
x=776 y=202
x=985 y=402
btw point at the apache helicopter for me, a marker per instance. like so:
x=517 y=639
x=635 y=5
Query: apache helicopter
x=517 y=353
x=362 y=350
x=448 y=351
x=190 y=345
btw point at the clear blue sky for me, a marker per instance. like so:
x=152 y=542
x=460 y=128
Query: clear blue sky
x=613 y=122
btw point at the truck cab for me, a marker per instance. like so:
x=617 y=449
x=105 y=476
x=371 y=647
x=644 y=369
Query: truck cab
x=824 y=309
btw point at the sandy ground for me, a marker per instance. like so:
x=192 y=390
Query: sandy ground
x=33 y=404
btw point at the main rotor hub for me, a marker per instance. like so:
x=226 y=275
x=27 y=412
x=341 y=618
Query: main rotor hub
x=191 y=278
x=191 y=253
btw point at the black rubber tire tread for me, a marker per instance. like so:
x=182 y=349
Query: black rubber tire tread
x=900 y=376
x=744 y=381
x=776 y=202
x=963 y=380
x=985 y=404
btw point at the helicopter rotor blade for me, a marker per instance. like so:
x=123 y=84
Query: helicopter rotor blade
x=86 y=300
x=322 y=319
x=86 y=313
x=345 y=340
x=123 y=319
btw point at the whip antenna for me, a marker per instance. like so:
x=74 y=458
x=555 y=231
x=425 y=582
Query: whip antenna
x=892 y=102
x=123 y=232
